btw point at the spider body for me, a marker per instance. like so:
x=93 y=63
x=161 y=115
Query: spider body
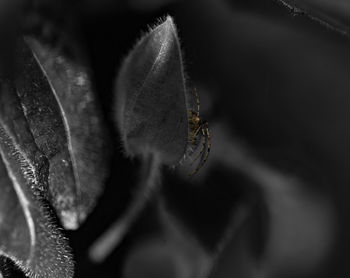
x=199 y=132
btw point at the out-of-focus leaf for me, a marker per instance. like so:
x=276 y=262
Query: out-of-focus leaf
x=28 y=235
x=300 y=222
x=55 y=22
x=174 y=253
x=151 y=108
x=333 y=14
x=60 y=107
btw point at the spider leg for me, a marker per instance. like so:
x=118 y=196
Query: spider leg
x=197 y=100
x=207 y=142
x=202 y=149
x=208 y=138
x=194 y=135
x=197 y=131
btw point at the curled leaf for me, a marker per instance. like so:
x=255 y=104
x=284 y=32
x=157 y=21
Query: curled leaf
x=28 y=236
x=151 y=102
x=63 y=117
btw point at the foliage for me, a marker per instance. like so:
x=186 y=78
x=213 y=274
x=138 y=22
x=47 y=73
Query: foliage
x=96 y=146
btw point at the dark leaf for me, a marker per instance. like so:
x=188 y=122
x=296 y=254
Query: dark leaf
x=28 y=235
x=60 y=108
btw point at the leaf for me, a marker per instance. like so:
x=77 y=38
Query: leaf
x=59 y=104
x=152 y=119
x=28 y=235
x=300 y=219
x=13 y=120
x=334 y=14
x=173 y=252
x=196 y=259
x=151 y=108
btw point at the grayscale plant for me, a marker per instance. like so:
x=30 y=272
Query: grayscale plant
x=215 y=145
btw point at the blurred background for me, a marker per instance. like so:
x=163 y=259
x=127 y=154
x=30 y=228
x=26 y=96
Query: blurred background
x=272 y=200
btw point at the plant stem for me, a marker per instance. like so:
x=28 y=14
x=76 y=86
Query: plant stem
x=148 y=185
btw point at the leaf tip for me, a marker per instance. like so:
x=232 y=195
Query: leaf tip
x=167 y=30
x=70 y=220
x=169 y=21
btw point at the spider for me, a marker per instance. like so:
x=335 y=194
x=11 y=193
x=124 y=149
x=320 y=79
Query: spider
x=198 y=130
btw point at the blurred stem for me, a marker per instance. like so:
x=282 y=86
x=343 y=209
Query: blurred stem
x=148 y=185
